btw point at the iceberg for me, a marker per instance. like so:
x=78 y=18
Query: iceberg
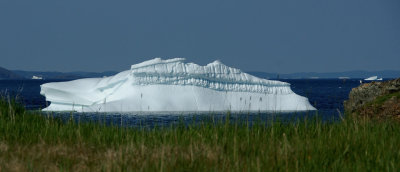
x=37 y=77
x=172 y=85
x=373 y=78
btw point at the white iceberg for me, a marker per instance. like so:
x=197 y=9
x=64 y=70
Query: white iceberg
x=373 y=78
x=37 y=77
x=174 y=86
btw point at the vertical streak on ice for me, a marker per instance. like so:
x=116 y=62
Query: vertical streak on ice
x=195 y=99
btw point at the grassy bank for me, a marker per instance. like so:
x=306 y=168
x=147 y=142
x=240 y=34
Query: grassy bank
x=30 y=141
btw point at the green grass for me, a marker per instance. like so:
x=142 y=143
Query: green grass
x=30 y=141
x=382 y=99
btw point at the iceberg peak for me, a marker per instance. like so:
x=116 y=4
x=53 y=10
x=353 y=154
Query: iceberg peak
x=157 y=60
x=216 y=62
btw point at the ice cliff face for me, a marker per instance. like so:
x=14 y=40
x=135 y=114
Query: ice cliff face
x=216 y=76
x=172 y=85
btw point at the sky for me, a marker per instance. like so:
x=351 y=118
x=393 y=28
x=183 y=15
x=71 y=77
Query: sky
x=283 y=36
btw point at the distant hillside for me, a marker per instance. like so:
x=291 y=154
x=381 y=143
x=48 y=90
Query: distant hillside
x=6 y=74
x=62 y=75
x=386 y=74
x=351 y=74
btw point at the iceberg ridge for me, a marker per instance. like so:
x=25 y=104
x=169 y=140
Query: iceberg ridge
x=215 y=76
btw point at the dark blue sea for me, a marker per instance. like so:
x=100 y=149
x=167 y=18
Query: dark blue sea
x=327 y=95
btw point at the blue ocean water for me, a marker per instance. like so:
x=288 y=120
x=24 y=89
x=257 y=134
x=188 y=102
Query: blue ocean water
x=327 y=95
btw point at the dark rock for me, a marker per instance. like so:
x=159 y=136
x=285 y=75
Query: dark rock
x=375 y=99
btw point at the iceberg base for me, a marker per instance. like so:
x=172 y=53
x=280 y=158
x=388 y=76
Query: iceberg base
x=175 y=98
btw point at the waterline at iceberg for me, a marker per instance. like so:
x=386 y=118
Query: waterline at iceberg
x=174 y=86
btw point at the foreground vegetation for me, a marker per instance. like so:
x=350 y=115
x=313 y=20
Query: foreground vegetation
x=31 y=141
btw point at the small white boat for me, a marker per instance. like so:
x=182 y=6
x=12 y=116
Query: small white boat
x=373 y=78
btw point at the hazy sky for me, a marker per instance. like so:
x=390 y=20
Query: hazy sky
x=267 y=35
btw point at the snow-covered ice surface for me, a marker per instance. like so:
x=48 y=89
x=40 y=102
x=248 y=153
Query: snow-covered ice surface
x=174 y=86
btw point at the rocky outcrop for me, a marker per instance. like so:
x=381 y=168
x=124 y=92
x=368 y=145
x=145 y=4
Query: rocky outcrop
x=375 y=99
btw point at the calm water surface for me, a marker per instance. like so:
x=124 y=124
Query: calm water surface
x=327 y=95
